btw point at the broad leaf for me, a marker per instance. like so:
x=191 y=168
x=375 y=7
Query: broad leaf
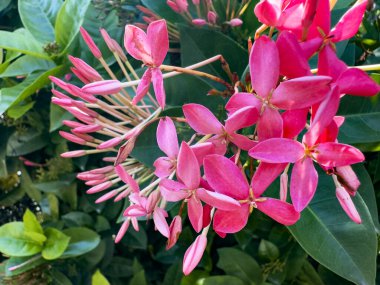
x=31 y=224
x=331 y=238
x=26 y=142
x=99 y=279
x=27 y=263
x=220 y=280
x=82 y=240
x=55 y=244
x=161 y=8
x=26 y=65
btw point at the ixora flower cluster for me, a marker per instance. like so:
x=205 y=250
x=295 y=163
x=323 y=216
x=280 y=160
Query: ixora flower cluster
x=211 y=173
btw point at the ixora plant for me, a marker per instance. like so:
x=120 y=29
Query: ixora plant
x=281 y=119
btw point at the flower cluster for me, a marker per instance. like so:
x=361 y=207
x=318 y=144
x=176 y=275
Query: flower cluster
x=283 y=120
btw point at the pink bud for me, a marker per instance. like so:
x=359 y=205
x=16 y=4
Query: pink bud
x=159 y=218
x=74 y=153
x=122 y=195
x=119 y=50
x=146 y=11
x=235 y=22
x=123 y=229
x=194 y=254
x=59 y=95
x=152 y=201
x=347 y=204
x=107 y=39
x=72 y=138
x=211 y=17
x=110 y=143
x=175 y=230
x=106 y=197
x=90 y=73
x=135 y=224
x=58 y=82
x=90 y=176
x=62 y=102
x=125 y=150
x=173 y=6
x=95 y=182
x=76 y=91
x=99 y=187
x=90 y=43
x=196 y=2
x=348 y=179
x=86 y=137
x=199 y=22
x=283 y=187
x=68 y=76
x=80 y=115
x=102 y=170
x=104 y=87
x=72 y=124
x=80 y=76
x=88 y=129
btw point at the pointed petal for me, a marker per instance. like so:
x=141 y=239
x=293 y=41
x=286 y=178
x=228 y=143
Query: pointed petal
x=187 y=167
x=126 y=178
x=217 y=200
x=347 y=177
x=268 y=11
x=201 y=119
x=349 y=24
x=158 y=86
x=303 y=183
x=301 y=92
x=160 y=221
x=242 y=118
x=164 y=167
x=193 y=254
x=225 y=177
x=264 y=64
x=241 y=100
x=278 y=150
x=293 y=63
x=143 y=86
x=242 y=141
x=347 y=204
x=134 y=211
x=201 y=150
x=231 y=221
x=332 y=154
x=195 y=212
x=294 y=121
x=270 y=125
x=175 y=230
x=356 y=82
x=158 y=39
x=167 y=137
x=279 y=211
x=311 y=46
x=264 y=175
x=172 y=191
x=136 y=44
x=321 y=20
x=329 y=64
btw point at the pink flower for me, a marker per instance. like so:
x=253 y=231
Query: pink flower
x=298 y=93
x=203 y=121
x=151 y=48
x=194 y=254
x=178 y=6
x=189 y=189
x=226 y=178
x=304 y=177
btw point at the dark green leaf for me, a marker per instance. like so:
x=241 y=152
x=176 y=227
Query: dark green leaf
x=55 y=244
x=330 y=237
x=69 y=19
x=220 y=280
x=237 y=263
x=26 y=142
x=138 y=279
x=82 y=240
x=308 y=275
x=23 y=264
x=119 y=267
x=193 y=277
x=161 y=8
x=268 y=250
x=59 y=278
x=27 y=185
x=173 y=275
x=78 y=219
x=137 y=240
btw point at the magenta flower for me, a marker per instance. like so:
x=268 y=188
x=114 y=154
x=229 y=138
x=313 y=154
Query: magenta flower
x=151 y=48
x=298 y=93
x=189 y=189
x=203 y=121
x=168 y=142
x=178 y=6
x=304 y=177
x=226 y=178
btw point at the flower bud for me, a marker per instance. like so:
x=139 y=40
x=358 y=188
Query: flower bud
x=347 y=204
x=194 y=254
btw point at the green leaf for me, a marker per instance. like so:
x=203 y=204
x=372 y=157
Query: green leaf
x=59 y=278
x=23 y=42
x=193 y=277
x=18 y=111
x=25 y=65
x=136 y=240
x=308 y=275
x=268 y=250
x=50 y=207
x=23 y=264
x=331 y=238
x=99 y=279
x=138 y=278
x=31 y=224
x=38 y=17
x=14 y=242
x=161 y=8
x=220 y=280
x=119 y=267
x=26 y=142
x=173 y=275
x=55 y=245
x=239 y=264
x=57 y=115
x=4 y=4
x=83 y=240
x=27 y=185
x=69 y=19
x=12 y=96
x=78 y=219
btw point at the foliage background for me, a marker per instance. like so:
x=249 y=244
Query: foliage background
x=35 y=40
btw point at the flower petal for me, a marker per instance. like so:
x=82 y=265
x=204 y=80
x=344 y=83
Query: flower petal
x=159 y=218
x=347 y=205
x=264 y=175
x=164 y=167
x=158 y=86
x=158 y=39
x=217 y=200
x=264 y=66
x=187 y=167
x=329 y=64
x=242 y=118
x=279 y=211
x=136 y=44
x=126 y=178
x=270 y=124
x=193 y=254
x=268 y=12
x=201 y=119
x=242 y=141
x=231 y=221
x=303 y=183
x=143 y=86
x=167 y=137
x=201 y=150
x=356 y=82
x=277 y=150
x=332 y=154
x=241 y=100
x=294 y=121
x=172 y=191
x=195 y=212
x=225 y=177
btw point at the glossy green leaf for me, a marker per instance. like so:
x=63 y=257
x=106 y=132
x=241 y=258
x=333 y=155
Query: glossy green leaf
x=99 y=279
x=193 y=277
x=38 y=16
x=22 y=41
x=268 y=250
x=23 y=264
x=69 y=19
x=31 y=224
x=55 y=245
x=25 y=65
x=82 y=240
x=220 y=280
x=239 y=264
x=331 y=238
x=14 y=242
x=78 y=219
